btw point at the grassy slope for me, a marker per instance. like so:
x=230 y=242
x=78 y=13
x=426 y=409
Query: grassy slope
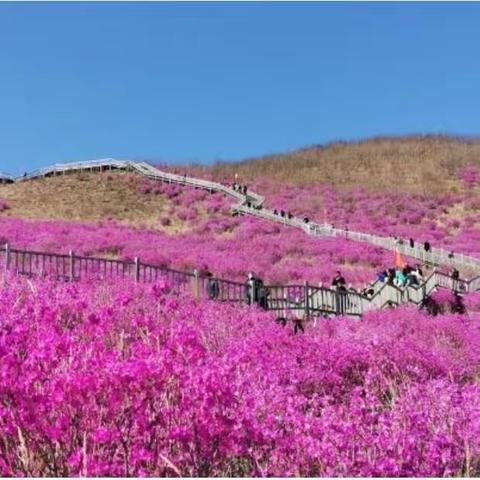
x=88 y=196
x=419 y=164
x=416 y=164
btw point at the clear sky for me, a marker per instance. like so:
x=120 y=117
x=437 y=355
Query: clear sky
x=192 y=81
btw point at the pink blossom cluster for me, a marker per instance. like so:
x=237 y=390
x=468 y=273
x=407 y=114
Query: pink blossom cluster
x=126 y=380
x=228 y=246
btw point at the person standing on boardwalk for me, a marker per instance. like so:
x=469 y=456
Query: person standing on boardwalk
x=338 y=281
x=213 y=288
x=298 y=317
x=253 y=287
x=263 y=294
x=339 y=284
x=455 y=276
x=250 y=289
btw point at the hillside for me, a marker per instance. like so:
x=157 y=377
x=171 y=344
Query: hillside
x=134 y=215
x=89 y=197
x=420 y=164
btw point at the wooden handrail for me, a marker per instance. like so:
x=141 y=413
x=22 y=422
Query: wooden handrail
x=349 y=303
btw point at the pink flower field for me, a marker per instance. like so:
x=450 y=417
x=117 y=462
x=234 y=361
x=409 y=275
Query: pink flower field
x=125 y=379
x=120 y=380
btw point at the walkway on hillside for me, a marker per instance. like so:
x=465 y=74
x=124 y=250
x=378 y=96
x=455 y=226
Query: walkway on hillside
x=252 y=204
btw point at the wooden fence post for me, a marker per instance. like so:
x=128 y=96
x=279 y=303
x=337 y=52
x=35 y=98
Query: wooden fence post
x=196 y=287
x=8 y=256
x=306 y=300
x=137 y=269
x=72 y=265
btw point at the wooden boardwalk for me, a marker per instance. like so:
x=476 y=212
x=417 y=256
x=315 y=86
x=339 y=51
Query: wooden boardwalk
x=252 y=204
x=299 y=300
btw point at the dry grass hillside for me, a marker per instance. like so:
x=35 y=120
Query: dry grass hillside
x=421 y=164
x=87 y=196
x=418 y=164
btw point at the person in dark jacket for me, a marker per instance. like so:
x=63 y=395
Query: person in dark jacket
x=382 y=276
x=275 y=212
x=213 y=288
x=427 y=246
x=298 y=326
x=338 y=281
x=263 y=294
x=430 y=305
x=340 y=286
x=419 y=270
x=282 y=213
x=455 y=276
x=289 y=215
x=458 y=306
x=391 y=276
x=281 y=320
x=368 y=291
x=412 y=243
x=244 y=189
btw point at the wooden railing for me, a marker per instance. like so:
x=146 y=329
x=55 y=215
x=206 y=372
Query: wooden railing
x=301 y=301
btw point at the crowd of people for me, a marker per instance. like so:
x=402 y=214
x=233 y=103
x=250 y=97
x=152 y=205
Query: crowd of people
x=412 y=276
x=240 y=188
x=283 y=214
x=411 y=242
x=402 y=277
x=256 y=293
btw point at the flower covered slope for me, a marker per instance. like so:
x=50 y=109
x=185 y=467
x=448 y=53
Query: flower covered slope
x=126 y=380
x=450 y=220
x=194 y=230
x=207 y=238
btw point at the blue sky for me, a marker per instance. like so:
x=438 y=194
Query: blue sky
x=201 y=82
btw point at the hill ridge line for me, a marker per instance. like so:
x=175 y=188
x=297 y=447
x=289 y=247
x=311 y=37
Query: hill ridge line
x=252 y=204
